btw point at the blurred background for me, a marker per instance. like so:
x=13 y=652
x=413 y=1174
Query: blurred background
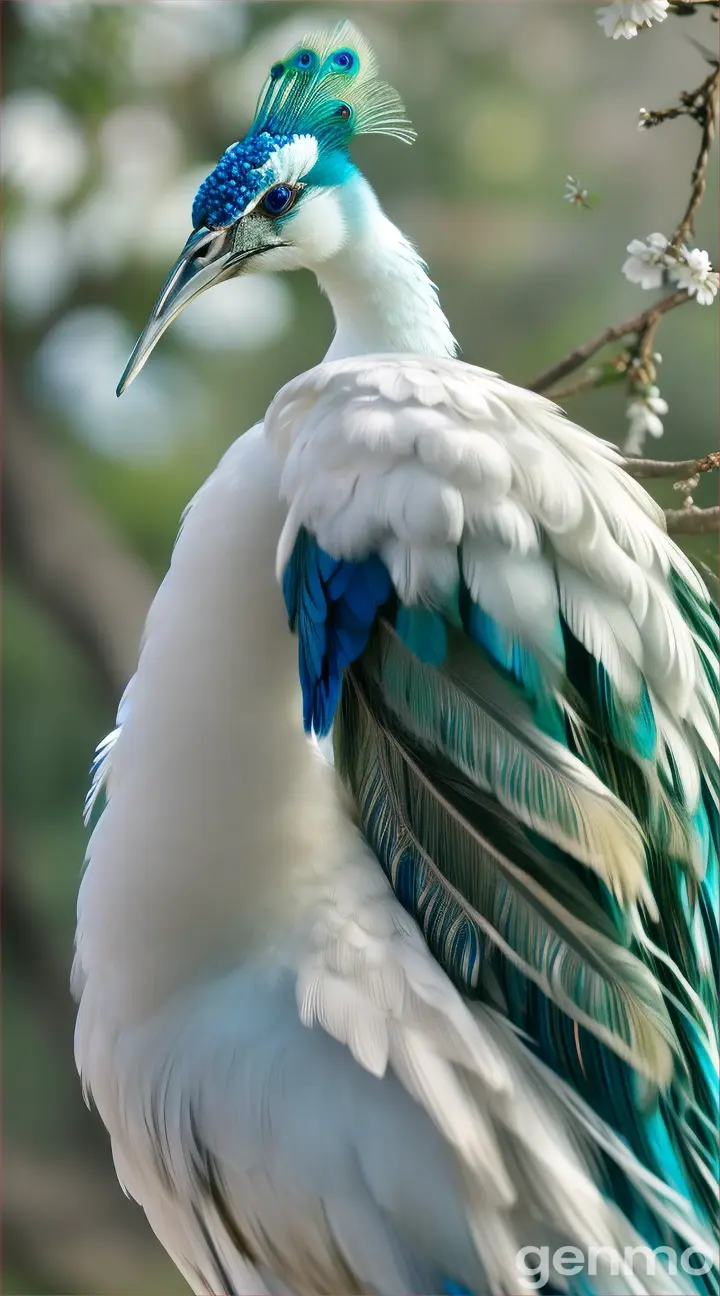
x=112 y=116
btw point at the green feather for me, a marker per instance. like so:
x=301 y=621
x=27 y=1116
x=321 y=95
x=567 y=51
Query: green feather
x=524 y=873
x=667 y=943
x=438 y=836
x=331 y=102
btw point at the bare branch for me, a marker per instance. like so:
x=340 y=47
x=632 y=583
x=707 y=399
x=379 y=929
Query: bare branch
x=693 y=521
x=688 y=520
x=705 y=112
x=684 y=8
x=635 y=324
x=644 y=469
x=583 y=382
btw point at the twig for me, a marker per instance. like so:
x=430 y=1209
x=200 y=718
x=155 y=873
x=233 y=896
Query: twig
x=693 y=103
x=705 y=113
x=577 y=385
x=689 y=520
x=579 y=355
x=644 y=469
x=686 y=7
x=693 y=521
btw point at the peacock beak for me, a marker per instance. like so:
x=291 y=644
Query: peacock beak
x=209 y=256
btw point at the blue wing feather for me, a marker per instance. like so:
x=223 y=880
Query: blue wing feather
x=332 y=605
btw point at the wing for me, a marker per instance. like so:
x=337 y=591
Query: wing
x=521 y=669
x=362 y=1128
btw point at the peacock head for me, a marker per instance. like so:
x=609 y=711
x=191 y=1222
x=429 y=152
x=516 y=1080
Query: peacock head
x=278 y=199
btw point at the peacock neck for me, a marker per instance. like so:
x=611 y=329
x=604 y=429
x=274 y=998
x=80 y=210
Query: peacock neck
x=223 y=820
x=379 y=288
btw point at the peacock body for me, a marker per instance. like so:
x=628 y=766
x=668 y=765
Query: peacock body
x=385 y=1025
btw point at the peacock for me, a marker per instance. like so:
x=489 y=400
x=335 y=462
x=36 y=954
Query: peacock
x=397 y=943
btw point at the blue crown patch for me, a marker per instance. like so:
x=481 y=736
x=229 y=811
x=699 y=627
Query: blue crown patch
x=226 y=192
x=326 y=88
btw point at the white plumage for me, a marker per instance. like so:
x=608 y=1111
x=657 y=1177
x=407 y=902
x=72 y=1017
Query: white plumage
x=464 y=454
x=229 y=902
x=296 y=1093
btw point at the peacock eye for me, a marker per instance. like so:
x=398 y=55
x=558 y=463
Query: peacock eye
x=344 y=59
x=279 y=199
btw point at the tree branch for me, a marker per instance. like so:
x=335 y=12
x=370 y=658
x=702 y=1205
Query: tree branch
x=578 y=356
x=704 y=111
x=582 y=383
x=693 y=521
x=644 y=469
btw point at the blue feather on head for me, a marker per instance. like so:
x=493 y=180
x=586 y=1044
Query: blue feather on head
x=325 y=90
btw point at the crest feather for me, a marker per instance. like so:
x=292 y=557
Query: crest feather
x=327 y=87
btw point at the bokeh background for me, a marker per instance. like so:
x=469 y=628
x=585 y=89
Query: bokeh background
x=112 y=115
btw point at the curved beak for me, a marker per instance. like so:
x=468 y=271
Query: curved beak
x=209 y=256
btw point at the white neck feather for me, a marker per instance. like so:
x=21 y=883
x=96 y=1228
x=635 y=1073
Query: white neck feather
x=379 y=289
x=222 y=818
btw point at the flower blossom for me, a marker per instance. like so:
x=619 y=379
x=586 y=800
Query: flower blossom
x=575 y=193
x=643 y=413
x=647 y=262
x=623 y=17
x=693 y=272
x=689 y=268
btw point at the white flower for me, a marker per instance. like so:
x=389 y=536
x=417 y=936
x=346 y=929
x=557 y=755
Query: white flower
x=625 y=16
x=644 y=418
x=647 y=261
x=634 y=443
x=693 y=271
x=575 y=193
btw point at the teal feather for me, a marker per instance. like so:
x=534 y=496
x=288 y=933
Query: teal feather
x=327 y=87
x=516 y=660
x=608 y=748
x=506 y=918
x=452 y=853
x=440 y=747
x=559 y=873
x=423 y=631
x=632 y=727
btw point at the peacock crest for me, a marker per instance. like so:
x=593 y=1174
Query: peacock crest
x=323 y=94
x=327 y=86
